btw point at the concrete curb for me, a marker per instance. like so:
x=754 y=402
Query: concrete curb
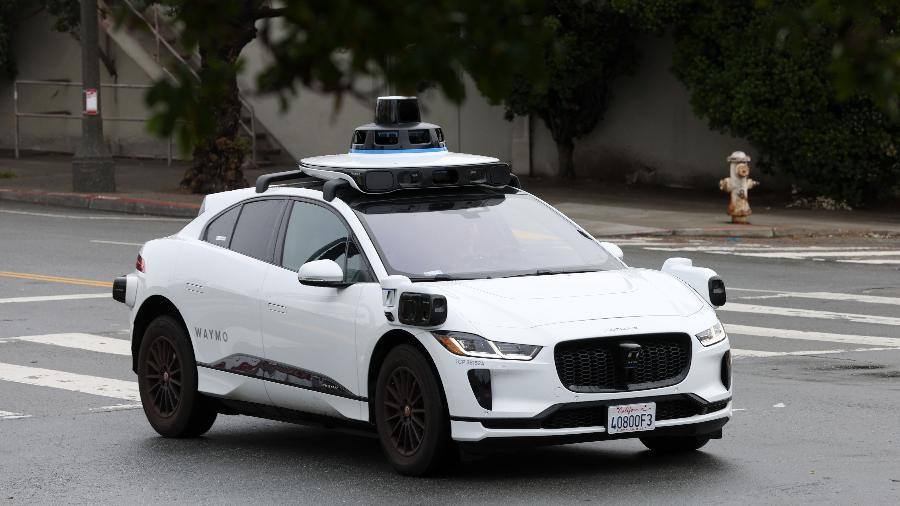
x=103 y=203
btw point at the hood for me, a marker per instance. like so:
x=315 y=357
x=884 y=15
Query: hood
x=534 y=301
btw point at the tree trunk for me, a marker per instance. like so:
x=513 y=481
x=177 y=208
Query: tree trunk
x=565 y=148
x=559 y=121
x=218 y=160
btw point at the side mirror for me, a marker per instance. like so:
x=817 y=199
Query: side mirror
x=613 y=249
x=705 y=281
x=321 y=273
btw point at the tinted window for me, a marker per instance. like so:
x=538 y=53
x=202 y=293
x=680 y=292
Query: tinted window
x=315 y=233
x=255 y=230
x=387 y=137
x=219 y=230
x=419 y=136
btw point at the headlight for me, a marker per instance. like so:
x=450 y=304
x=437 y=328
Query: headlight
x=712 y=335
x=471 y=345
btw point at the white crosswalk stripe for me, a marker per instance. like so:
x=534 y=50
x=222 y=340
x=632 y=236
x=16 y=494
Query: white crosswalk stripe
x=116 y=407
x=864 y=255
x=849 y=297
x=741 y=353
x=805 y=335
x=736 y=307
x=51 y=298
x=81 y=383
x=87 y=342
x=9 y=415
x=873 y=262
x=820 y=254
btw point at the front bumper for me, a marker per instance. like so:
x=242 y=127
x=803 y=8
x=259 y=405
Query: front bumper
x=711 y=428
x=525 y=429
x=525 y=395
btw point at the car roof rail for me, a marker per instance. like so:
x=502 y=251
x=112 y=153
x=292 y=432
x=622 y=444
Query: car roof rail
x=264 y=181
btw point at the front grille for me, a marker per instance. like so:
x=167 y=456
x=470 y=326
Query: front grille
x=595 y=416
x=577 y=417
x=603 y=364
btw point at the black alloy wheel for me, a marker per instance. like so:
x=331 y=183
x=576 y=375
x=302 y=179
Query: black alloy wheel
x=405 y=411
x=411 y=414
x=167 y=381
x=164 y=375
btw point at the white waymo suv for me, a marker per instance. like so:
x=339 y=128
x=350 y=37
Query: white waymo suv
x=422 y=295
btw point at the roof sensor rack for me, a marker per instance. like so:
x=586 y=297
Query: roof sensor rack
x=388 y=179
x=264 y=181
x=411 y=155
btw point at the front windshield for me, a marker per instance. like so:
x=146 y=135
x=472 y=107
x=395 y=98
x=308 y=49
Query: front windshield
x=478 y=236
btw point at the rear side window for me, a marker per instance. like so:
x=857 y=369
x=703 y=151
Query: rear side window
x=254 y=234
x=219 y=230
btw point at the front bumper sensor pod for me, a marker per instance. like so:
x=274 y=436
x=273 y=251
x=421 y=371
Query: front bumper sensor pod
x=119 y=289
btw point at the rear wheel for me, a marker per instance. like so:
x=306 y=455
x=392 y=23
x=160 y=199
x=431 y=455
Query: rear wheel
x=412 y=421
x=674 y=444
x=167 y=381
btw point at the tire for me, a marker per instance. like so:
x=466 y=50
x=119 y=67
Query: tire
x=168 y=386
x=411 y=415
x=674 y=444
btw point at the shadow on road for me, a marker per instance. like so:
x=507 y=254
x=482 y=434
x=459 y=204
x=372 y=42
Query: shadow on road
x=296 y=450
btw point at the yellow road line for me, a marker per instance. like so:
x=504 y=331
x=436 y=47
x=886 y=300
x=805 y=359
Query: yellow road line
x=55 y=279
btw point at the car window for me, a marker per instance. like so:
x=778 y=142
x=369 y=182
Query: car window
x=315 y=233
x=255 y=230
x=478 y=236
x=219 y=230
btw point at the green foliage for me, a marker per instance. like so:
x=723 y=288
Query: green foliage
x=595 y=43
x=778 y=93
x=338 y=46
x=7 y=17
x=66 y=13
x=865 y=54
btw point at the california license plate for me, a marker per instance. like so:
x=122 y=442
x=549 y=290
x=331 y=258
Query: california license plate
x=631 y=418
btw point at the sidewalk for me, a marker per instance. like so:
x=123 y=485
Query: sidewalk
x=606 y=210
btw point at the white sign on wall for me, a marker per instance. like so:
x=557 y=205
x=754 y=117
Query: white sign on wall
x=90 y=101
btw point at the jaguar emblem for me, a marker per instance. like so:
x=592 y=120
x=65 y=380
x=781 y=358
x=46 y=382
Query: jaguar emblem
x=631 y=354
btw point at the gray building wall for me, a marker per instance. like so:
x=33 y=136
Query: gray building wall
x=649 y=134
x=45 y=54
x=313 y=126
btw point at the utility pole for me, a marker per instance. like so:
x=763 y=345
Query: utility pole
x=93 y=169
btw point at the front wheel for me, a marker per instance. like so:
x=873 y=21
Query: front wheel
x=412 y=421
x=674 y=444
x=167 y=381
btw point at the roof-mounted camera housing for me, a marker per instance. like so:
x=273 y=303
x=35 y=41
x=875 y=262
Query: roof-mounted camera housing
x=397 y=152
x=398 y=126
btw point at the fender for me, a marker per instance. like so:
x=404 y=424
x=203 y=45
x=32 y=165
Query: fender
x=704 y=281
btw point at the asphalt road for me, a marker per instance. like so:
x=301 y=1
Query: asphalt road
x=816 y=374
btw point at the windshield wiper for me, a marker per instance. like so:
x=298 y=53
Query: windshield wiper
x=549 y=272
x=440 y=277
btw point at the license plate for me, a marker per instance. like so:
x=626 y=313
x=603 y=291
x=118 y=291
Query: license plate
x=631 y=418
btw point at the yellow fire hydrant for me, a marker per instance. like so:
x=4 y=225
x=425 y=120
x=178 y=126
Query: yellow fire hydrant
x=739 y=185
